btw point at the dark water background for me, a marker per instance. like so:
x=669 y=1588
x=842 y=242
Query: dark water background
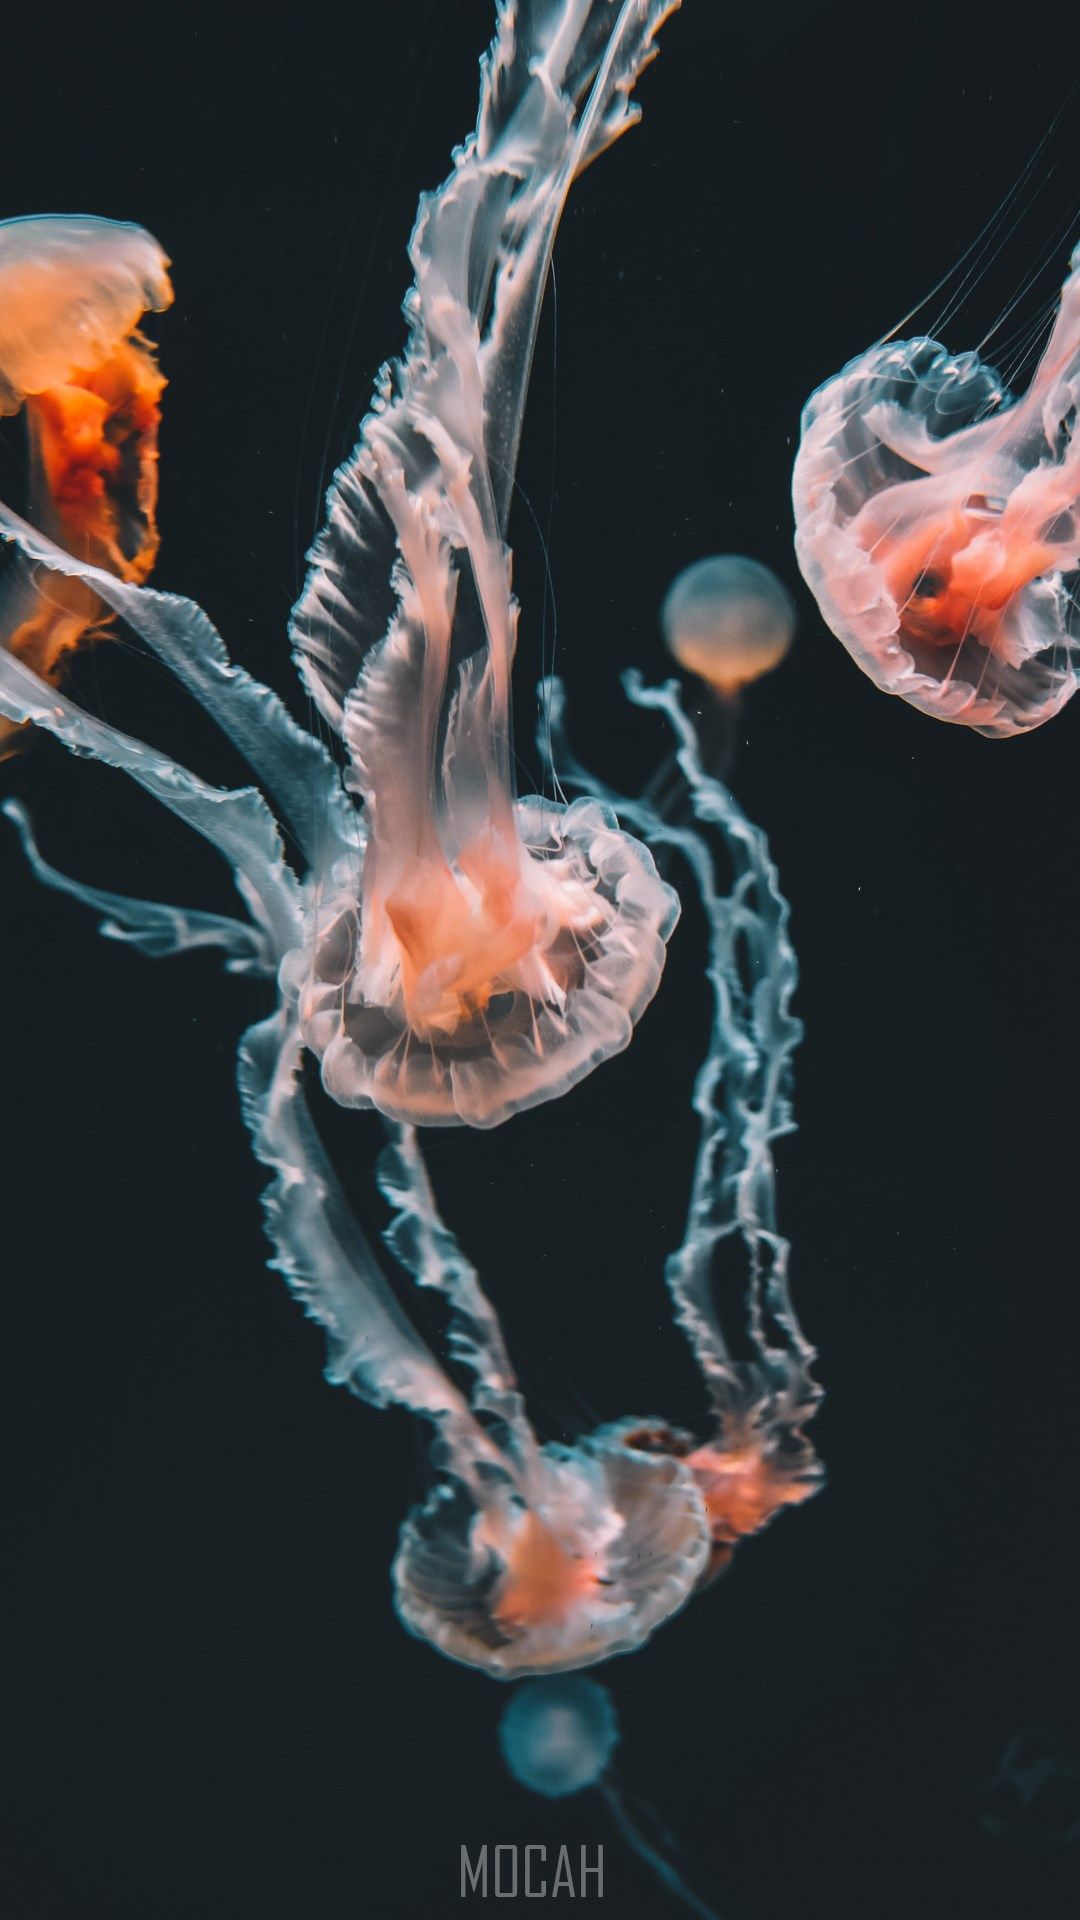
x=211 y=1709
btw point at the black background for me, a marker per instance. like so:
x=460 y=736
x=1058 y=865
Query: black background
x=211 y=1709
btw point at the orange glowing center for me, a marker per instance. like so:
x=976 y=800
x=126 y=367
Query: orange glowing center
x=96 y=437
x=543 y=1583
x=957 y=577
x=742 y=1488
x=461 y=937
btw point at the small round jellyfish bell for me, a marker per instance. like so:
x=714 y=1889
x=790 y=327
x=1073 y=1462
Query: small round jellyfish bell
x=73 y=290
x=728 y=620
x=938 y=525
x=557 y=1736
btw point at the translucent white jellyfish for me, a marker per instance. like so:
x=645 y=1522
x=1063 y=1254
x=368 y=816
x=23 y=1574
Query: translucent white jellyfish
x=728 y=620
x=938 y=525
x=73 y=290
x=755 y=1459
x=557 y=1738
x=463 y=954
x=525 y=1559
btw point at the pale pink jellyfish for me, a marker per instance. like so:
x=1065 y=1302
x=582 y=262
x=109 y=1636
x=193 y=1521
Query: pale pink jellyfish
x=525 y=1558
x=492 y=951
x=938 y=525
x=73 y=290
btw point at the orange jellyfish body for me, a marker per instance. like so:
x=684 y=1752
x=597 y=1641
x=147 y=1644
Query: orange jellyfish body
x=72 y=291
x=938 y=526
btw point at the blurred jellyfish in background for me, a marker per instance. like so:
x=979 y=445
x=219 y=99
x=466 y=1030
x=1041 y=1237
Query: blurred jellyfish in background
x=938 y=525
x=461 y=954
x=755 y=1458
x=73 y=290
x=1033 y=1796
x=728 y=620
x=557 y=1738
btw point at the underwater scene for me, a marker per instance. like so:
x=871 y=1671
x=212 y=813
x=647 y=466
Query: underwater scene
x=539 y=1164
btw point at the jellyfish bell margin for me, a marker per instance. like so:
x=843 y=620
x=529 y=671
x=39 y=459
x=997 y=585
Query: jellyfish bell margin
x=938 y=526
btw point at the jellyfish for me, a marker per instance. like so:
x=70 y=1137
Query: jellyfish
x=463 y=954
x=728 y=620
x=938 y=525
x=557 y=1737
x=524 y=1558
x=754 y=1459
x=73 y=290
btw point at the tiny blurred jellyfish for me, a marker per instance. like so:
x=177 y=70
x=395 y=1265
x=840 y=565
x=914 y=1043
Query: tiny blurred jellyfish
x=73 y=290
x=1033 y=1797
x=462 y=954
x=938 y=525
x=728 y=620
x=557 y=1738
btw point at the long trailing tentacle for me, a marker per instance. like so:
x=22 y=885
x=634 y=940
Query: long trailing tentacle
x=237 y=821
x=327 y=1262
x=742 y=1091
x=152 y=926
x=292 y=765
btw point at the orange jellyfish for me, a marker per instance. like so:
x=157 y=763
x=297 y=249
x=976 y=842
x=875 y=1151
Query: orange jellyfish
x=73 y=290
x=938 y=525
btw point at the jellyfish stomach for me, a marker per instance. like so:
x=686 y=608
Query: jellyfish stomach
x=954 y=572
x=546 y=1580
x=93 y=441
x=94 y=449
x=451 y=936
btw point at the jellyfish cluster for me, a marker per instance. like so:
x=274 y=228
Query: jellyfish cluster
x=449 y=952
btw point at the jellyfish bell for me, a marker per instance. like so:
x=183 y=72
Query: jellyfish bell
x=938 y=525
x=583 y=1560
x=469 y=988
x=728 y=620
x=73 y=290
x=557 y=1736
